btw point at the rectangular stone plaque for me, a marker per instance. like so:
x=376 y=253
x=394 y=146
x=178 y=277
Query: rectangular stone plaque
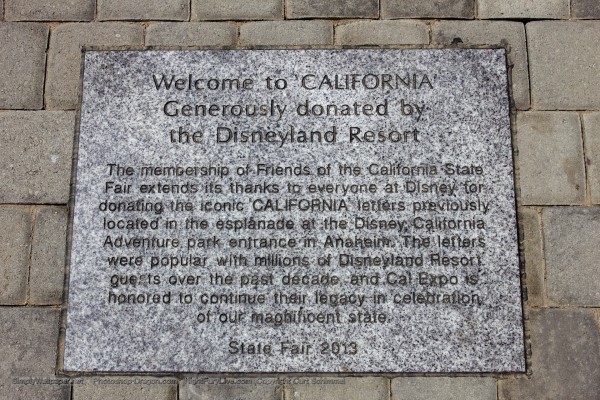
x=290 y=211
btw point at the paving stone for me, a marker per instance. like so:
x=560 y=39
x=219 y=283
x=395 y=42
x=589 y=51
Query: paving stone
x=37 y=147
x=533 y=255
x=501 y=33
x=339 y=388
x=126 y=388
x=241 y=388
x=591 y=124
x=28 y=348
x=22 y=64
x=550 y=158
x=191 y=34
x=530 y=9
x=332 y=9
x=572 y=253
x=50 y=10
x=286 y=33
x=382 y=33
x=443 y=388
x=427 y=9
x=564 y=63
x=172 y=10
x=47 y=271
x=565 y=358
x=589 y=9
x=14 y=254
x=1 y=10
x=64 y=58
x=236 y=10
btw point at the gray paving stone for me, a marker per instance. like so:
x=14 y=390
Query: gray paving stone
x=191 y=34
x=236 y=10
x=1 y=10
x=443 y=388
x=50 y=10
x=37 y=147
x=172 y=10
x=22 y=64
x=126 y=388
x=565 y=359
x=339 y=388
x=564 y=63
x=286 y=33
x=332 y=9
x=28 y=348
x=550 y=158
x=585 y=9
x=533 y=255
x=221 y=388
x=14 y=254
x=530 y=9
x=572 y=253
x=47 y=270
x=501 y=33
x=64 y=58
x=382 y=33
x=591 y=129
x=427 y=9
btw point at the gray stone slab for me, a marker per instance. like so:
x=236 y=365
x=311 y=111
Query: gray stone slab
x=15 y=245
x=47 y=273
x=427 y=9
x=565 y=347
x=550 y=158
x=382 y=32
x=126 y=388
x=236 y=10
x=585 y=9
x=444 y=388
x=22 y=65
x=173 y=10
x=564 y=63
x=285 y=276
x=286 y=33
x=50 y=10
x=531 y=9
x=572 y=253
x=533 y=255
x=339 y=388
x=189 y=34
x=36 y=167
x=28 y=348
x=591 y=130
x=332 y=9
x=232 y=387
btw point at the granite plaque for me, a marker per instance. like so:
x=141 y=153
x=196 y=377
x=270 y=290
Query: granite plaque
x=294 y=211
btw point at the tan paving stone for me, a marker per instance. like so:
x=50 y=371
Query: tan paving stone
x=533 y=255
x=585 y=9
x=332 y=9
x=591 y=124
x=15 y=245
x=236 y=10
x=50 y=10
x=172 y=10
x=191 y=34
x=286 y=33
x=391 y=9
x=444 y=388
x=382 y=33
x=126 y=388
x=214 y=388
x=530 y=9
x=373 y=388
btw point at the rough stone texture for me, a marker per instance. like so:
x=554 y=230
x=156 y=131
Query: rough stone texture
x=533 y=255
x=565 y=352
x=572 y=253
x=36 y=156
x=64 y=58
x=502 y=33
x=550 y=158
x=188 y=34
x=372 y=388
x=332 y=9
x=236 y=10
x=466 y=116
x=288 y=33
x=591 y=129
x=172 y=10
x=50 y=10
x=127 y=388
x=530 y=9
x=28 y=348
x=46 y=280
x=22 y=63
x=14 y=254
x=585 y=9
x=443 y=388
x=223 y=388
x=564 y=63
x=427 y=9
x=382 y=32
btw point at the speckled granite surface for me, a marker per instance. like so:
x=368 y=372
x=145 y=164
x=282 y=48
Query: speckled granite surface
x=413 y=163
